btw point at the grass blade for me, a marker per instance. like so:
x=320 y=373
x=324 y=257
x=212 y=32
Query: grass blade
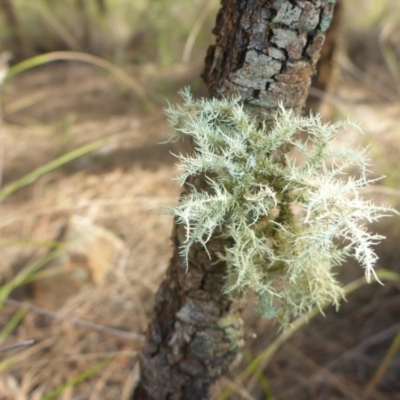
x=117 y=72
x=44 y=169
x=77 y=380
x=11 y=325
x=381 y=371
x=24 y=275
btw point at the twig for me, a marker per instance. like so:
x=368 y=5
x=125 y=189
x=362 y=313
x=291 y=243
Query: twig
x=17 y=345
x=75 y=321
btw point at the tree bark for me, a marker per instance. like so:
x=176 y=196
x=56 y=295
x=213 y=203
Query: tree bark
x=265 y=52
x=326 y=73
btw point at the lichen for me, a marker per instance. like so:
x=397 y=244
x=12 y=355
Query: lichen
x=293 y=216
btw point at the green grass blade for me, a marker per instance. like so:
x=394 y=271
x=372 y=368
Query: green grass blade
x=44 y=169
x=22 y=278
x=383 y=367
x=263 y=382
x=11 y=325
x=30 y=242
x=117 y=72
x=77 y=380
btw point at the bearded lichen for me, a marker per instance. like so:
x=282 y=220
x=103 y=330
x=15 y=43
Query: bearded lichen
x=284 y=192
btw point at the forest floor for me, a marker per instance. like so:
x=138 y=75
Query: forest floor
x=111 y=200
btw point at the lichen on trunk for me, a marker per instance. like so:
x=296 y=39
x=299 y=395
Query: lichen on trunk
x=265 y=52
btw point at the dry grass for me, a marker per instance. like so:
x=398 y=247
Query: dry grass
x=116 y=187
x=53 y=109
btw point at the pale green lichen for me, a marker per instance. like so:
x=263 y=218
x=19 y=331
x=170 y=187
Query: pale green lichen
x=292 y=216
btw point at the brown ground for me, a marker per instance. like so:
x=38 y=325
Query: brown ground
x=51 y=110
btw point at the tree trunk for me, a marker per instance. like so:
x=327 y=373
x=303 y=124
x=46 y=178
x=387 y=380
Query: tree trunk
x=326 y=70
x=266 y=52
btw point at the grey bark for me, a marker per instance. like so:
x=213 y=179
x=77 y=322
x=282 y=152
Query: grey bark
x=266 y=52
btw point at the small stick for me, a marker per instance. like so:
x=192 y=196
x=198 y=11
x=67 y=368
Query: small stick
x=77 y=322
x=17 y=345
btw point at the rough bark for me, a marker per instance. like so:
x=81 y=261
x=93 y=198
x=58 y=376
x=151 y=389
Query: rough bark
x=195 y=334
x=326 y=70
x=265 y=52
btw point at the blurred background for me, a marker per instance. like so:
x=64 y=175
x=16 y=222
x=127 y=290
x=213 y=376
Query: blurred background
x=83 y=240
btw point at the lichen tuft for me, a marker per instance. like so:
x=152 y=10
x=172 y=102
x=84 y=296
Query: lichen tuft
x=293 y=216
